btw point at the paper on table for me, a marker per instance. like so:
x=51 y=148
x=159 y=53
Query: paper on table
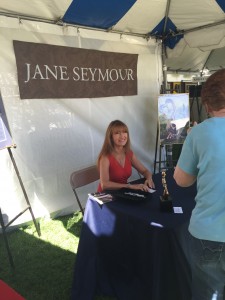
x=156 y=224
x=101 y=198
x=178 y=210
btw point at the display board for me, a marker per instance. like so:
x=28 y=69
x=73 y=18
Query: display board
x=5 y=136
x=174 y=118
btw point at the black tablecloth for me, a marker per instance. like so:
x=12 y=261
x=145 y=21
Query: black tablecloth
x=133 y=251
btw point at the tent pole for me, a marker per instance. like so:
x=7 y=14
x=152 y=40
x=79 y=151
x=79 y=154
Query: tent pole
x=164 y=86
x=164 y=49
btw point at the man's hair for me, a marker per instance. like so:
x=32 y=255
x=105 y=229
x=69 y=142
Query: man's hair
x=213 y=91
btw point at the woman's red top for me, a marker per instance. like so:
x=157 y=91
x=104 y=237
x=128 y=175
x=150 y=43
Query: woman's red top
x=118 y=173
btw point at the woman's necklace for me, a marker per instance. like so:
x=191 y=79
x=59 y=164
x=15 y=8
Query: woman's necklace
x=120 y=157
x=121 y=160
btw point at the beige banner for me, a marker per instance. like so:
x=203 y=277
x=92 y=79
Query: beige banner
x=48 y=71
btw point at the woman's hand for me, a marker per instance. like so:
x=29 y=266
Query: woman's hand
x=141 y=186
x=149 y=182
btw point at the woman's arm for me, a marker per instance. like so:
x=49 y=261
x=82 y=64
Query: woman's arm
x=143 y=171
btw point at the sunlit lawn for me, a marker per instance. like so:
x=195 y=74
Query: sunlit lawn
x=43 y=265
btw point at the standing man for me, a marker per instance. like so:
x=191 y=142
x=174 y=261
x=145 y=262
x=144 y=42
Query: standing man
x=203 y=159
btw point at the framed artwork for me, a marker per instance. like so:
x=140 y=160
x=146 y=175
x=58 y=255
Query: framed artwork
x=5 y=135
x=174 y=117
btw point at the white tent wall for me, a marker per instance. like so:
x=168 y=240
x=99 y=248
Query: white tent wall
x=54 y=137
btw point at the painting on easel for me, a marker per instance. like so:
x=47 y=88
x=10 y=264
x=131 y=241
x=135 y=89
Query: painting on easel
x=5 y=136
x=174 y=118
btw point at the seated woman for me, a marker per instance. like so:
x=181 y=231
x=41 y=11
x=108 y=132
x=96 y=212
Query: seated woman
x=116 y=160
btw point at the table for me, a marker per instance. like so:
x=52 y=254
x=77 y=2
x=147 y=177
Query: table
x=133 y=250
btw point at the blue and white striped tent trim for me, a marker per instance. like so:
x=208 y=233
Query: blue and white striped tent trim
x=190 y=29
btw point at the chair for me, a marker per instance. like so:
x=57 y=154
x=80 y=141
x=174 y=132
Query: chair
x=81 y=178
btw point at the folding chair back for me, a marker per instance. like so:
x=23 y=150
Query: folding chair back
x=81 y=178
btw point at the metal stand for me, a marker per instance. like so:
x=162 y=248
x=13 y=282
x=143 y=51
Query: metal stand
x=195 y=93
x=5 y=239
x=3 y=225
x=167 y=163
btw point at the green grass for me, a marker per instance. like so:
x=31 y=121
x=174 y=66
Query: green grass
x=43 y=265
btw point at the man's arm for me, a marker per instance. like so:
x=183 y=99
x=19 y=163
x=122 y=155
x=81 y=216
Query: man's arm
x=182 y=178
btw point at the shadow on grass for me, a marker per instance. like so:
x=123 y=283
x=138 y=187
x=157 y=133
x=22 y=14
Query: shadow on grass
x=72 y=224
x=43 y=268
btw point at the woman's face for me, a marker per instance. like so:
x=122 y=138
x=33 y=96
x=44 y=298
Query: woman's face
x=120 y=136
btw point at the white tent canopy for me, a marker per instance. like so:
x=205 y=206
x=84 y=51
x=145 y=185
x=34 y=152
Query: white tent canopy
x=54 y=137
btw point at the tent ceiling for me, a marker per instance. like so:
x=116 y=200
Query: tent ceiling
x=193 y=31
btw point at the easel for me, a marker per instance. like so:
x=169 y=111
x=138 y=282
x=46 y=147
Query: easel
x=5 y=226
x=173 y=123
x=168 y=149
x=195 y=93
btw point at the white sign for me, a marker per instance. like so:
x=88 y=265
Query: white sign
x=198 y=79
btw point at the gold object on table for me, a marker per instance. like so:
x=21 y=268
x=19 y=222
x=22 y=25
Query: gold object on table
x=165 y=189
x=165 y=200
